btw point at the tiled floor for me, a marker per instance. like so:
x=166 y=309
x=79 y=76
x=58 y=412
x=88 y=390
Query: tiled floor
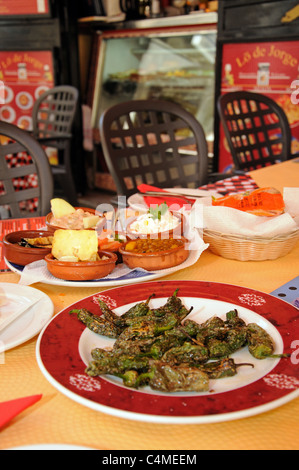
x=92 y=198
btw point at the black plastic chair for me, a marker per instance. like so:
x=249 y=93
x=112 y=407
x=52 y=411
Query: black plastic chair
x=153 y=142
x=26 y=181
x=256 y=129
x=53 y=116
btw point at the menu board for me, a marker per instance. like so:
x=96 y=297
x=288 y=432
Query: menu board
x=270 y=68
x=24 y=7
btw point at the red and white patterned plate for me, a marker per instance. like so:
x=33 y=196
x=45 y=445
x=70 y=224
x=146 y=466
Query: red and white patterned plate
x=64 y=346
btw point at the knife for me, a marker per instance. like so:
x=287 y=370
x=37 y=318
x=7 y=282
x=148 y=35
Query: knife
x=17 y=314
x=167 y=195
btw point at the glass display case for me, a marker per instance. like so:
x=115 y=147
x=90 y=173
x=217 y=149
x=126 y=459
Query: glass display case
x=174 y=62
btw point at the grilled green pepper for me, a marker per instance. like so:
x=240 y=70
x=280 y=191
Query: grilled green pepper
x=139 y=310
x=233 y=320
x=188 y=353
x=96 y=323
x=260 y=343
x=109 y=362
x=221 y=369
x=173 y=305
x=169 y=378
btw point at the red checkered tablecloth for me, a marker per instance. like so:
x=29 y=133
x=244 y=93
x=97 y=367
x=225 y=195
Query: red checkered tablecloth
x=235 y=184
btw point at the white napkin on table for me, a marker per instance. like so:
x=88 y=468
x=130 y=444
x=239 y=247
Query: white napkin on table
x=291 y=200
x=235 y=222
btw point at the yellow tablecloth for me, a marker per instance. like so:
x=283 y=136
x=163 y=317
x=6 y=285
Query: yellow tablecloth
x=278 y=176
x=57 y=419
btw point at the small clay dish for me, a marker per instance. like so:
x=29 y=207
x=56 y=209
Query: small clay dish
x=175 y=232
x=82 y=270
x=51 y=227
x=23 y=255
x=154 y=255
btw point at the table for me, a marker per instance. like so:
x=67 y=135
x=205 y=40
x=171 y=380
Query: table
x=57 y=419
x=278 y=176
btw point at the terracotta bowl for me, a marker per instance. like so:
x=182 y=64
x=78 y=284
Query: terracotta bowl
x=81 y=270
x=22 y=255
x=52 y=227
x=163 y=255
x=176 y=232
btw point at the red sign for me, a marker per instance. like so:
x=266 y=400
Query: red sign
x=271 y=68
x=24 y=7
x=24 y=75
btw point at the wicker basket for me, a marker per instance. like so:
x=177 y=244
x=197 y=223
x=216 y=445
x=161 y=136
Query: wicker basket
x=250 y=249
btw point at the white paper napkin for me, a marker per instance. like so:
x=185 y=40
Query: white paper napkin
x=291 y=200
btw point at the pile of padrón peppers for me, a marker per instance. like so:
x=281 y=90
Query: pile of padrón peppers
x=161 y=348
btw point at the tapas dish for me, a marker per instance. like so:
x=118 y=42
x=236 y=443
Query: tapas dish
x=65 y=354
x=27 y=246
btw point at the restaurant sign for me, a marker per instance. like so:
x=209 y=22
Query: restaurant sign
x=270 y=68
x=24 y=7
x=24 y=76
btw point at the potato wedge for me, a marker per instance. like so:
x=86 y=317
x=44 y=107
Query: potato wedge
x=61 y=208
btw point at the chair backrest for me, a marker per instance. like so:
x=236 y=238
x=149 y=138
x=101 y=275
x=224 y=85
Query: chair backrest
x=153 y=142
x=54 y=111
x=26 y=182
x=256 y=129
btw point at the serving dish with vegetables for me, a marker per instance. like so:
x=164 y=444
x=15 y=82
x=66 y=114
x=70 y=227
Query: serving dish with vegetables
x=114 y=360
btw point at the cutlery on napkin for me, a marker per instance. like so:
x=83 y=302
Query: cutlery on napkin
x=13 y=316
x=10 y=409
x=153 y=195
x=181 y=196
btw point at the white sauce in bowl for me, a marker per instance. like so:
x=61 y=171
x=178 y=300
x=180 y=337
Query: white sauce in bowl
x=148 y=224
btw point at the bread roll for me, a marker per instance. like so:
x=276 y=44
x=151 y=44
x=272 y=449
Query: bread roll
x=266 y=202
